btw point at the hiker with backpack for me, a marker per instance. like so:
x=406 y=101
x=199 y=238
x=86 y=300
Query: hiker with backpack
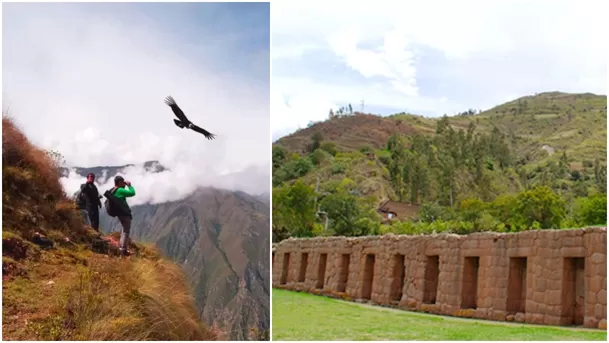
x=116 y=206
x=89 y=198
x=81 y=204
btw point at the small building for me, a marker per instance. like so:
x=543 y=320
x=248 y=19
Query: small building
x=392 y=210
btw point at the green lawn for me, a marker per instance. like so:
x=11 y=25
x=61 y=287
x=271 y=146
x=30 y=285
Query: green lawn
x=301 y=316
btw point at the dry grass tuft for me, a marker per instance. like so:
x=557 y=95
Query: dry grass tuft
x=131 y=300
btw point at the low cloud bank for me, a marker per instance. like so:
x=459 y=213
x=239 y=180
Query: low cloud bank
x=176 y=183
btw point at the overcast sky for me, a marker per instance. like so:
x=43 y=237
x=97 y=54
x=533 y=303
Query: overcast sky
x=429 y=57
x=89 y=80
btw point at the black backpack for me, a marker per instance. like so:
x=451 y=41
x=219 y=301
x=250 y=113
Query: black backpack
x=110 y=206
x=81 y=202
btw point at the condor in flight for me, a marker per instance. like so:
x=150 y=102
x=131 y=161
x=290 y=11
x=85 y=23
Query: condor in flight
x=183 y=121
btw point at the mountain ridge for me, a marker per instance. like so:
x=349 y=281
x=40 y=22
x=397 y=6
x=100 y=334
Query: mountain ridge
x=351 y=132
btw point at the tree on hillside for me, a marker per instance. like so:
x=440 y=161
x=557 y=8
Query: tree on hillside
x=316 y=139
x=393 y=142
x=442 y=124
x=329 y=147
x=539 y=205
x=279 y=229
x=600 y=176
x=415 y=176
x=499 y=149
x=446 y=159
x=295 y=209
x=563 y=169
x=347 y=216
x=279 y=156
x=396 y=163
x=294 y=168
x=593 y=210
x=318 y=156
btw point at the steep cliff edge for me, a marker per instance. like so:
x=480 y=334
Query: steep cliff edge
x=55 y=287
x=221 y=239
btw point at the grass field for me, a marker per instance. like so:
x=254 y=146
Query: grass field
x=301 y=316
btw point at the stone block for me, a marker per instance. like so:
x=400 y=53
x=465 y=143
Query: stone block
x=599 y=312
x=536 y=318
x=591 y=322
x=601 y=297
x=595 y=283
x=552 y=320
x=553 y=297
x=498 y=315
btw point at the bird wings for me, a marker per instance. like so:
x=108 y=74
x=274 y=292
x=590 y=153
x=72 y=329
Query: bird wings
x=205 y=133
x=176 y=110
x=187 y=123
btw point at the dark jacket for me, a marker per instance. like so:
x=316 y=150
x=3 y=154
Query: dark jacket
x=119 y=203
x=91 y=193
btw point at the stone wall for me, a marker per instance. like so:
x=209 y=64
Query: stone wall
x=552 y=277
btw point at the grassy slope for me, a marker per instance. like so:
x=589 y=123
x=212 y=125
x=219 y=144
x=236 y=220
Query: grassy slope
x=69 y=292
x=575 y=123
x=545 y=120
x=220 y=238
x=301 y=316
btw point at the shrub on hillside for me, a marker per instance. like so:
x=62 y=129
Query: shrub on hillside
x=318 y=157
x=31 y=193
x=329 y=147
x=592 y=210
x=338 y=167
x=293 y=169
x=279 y=156
x=539 y=205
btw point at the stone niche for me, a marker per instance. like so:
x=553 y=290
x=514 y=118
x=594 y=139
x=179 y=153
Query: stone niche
x=551 y=277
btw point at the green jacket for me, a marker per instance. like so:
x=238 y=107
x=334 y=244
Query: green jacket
x=124 y=193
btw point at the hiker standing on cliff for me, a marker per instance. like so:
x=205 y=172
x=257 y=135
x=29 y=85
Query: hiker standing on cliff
x=118 y=207
x=92 y=200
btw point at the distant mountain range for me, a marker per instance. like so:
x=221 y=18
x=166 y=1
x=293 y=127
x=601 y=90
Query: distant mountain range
x=221 y=238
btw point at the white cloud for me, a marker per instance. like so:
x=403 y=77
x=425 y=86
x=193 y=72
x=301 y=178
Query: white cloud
x=446 y=56
x=175 y=184
x=393 y=59
x=91 y=85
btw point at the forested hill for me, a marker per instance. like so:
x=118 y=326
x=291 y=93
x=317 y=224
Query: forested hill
x=549 y=146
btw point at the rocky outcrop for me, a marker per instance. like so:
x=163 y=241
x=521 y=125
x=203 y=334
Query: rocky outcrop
x=552 y=277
